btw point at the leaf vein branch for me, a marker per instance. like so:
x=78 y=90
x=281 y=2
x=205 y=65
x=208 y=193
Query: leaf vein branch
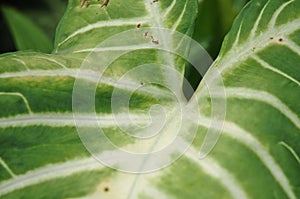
x=21 y=96
x=241 y=135
x=3 y=163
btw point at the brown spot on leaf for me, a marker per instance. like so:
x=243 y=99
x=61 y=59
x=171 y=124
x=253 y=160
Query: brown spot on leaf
x=106 y=189
x=154 y=41
x=280 y=39
x=146 y=34
x=104 y=5
x=138 y=25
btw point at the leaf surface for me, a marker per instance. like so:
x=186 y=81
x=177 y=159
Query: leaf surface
x=259 y=65
x=40 y=144
x=256 y=156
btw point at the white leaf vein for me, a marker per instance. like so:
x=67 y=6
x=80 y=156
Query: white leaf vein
x=276 y=14
x=101 y=24
x=246 y=138
x=68 y=119
x=21 y=96
x=271 y=68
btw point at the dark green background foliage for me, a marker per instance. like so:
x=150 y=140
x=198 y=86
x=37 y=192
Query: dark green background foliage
x=45 y=14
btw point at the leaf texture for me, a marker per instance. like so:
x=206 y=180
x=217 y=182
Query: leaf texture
x=257 y=153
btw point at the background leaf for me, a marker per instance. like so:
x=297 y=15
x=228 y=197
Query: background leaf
x=213 y=22
x=45 y=14
x=27 y=35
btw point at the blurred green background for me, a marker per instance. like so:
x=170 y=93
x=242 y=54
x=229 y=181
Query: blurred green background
x=19 y=16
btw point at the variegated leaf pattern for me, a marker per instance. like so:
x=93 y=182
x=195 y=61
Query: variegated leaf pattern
x=40 y=147
x=257 y=155
x=259 y=65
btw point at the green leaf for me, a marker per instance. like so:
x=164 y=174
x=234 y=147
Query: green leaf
x=250 y=95
x=259 y=65
x=36 y=90
x=26 y=34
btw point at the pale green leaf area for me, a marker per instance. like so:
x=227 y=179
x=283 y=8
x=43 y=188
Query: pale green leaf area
x=256 y=155
x=27 y=35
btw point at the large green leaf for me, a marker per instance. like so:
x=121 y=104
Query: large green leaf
x=38 y=133
x=259 y=64
x=256 y=155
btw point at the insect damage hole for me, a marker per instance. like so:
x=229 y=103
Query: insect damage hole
x=106 y=189
x=139 y=25
x=280 y=40
x=146 y=34
x=154 y=41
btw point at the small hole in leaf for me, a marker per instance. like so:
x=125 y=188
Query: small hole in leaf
x=138 y=25
x=280 y=39
x=106 y=189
